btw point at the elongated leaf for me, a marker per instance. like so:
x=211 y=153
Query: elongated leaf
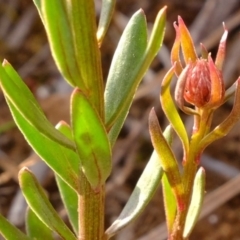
x=196 y=202
x=170 y=206
x=40 y=205
x=68 y=195
x=105 y=18
x=117 y=108
x=22 y=99
x=61 y=40
x=10 y=232
x=70 y=201
x=188 y=49
x=142 y=194
x=91 y=140
x=36 y=229
x=175 y=52
x=168 y=161
x=170 y=110
x=123 y=76
x=63 y=161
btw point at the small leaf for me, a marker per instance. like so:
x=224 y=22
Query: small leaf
x=40 y=205
x=196 y=202
x=10 y=232
x=105 y=18
x=63 y=161
x=170 y=110
x=141 y=195
x=175 y=53
x=167 y=159
x=123 y=77
x=188 y=49
x=221 y=49
x=35 y=228
x=70 y=201
x=116 y=108
x=23 y=100
x=91 y=140
x=170 y=206
x=60 y=38
x=68 y=195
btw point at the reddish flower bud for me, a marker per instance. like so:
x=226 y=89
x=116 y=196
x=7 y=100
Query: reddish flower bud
x=198 y=84
x=204 y=84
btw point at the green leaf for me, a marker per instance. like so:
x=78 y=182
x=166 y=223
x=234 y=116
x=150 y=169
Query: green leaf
x=91 y=140
x=35 y=228
x=70 y=201
x=170 y=110
x=123 y=78
x=128 y=68
x=105 y=18
x=196 y=202
x=40 y=205
x=170 y=206
x=68 y=195
x=62 y=160
x=167 y=158
x=60 y=38
x=23 y=100
x=141 y=195
x=10 y=232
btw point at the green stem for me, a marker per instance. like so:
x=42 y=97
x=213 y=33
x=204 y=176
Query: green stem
x=91 y=211
x=201 y=128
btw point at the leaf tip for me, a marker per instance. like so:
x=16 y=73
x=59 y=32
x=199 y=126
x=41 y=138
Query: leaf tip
x=5 y=62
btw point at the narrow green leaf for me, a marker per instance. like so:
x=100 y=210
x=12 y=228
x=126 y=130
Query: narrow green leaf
x=170 y=206
x=60 y=38
x=123 y=78
x=63 y=161
x=91 y=140
x=105 y=18
x=23 y=100
x=82 y=20
x=167 y=158
x=196 y=202
x=170 y=110
x=156 y=38
x=40 y=205
x=68 y=195
x=35 y=228
x=141 y=195
x=10 y=232
x=70 y=201
x=124 y=84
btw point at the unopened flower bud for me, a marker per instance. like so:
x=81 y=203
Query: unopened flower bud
x=204 y=84
x=197 y=89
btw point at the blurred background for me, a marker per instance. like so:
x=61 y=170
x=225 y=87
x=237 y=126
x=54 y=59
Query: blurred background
x=24 y=44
